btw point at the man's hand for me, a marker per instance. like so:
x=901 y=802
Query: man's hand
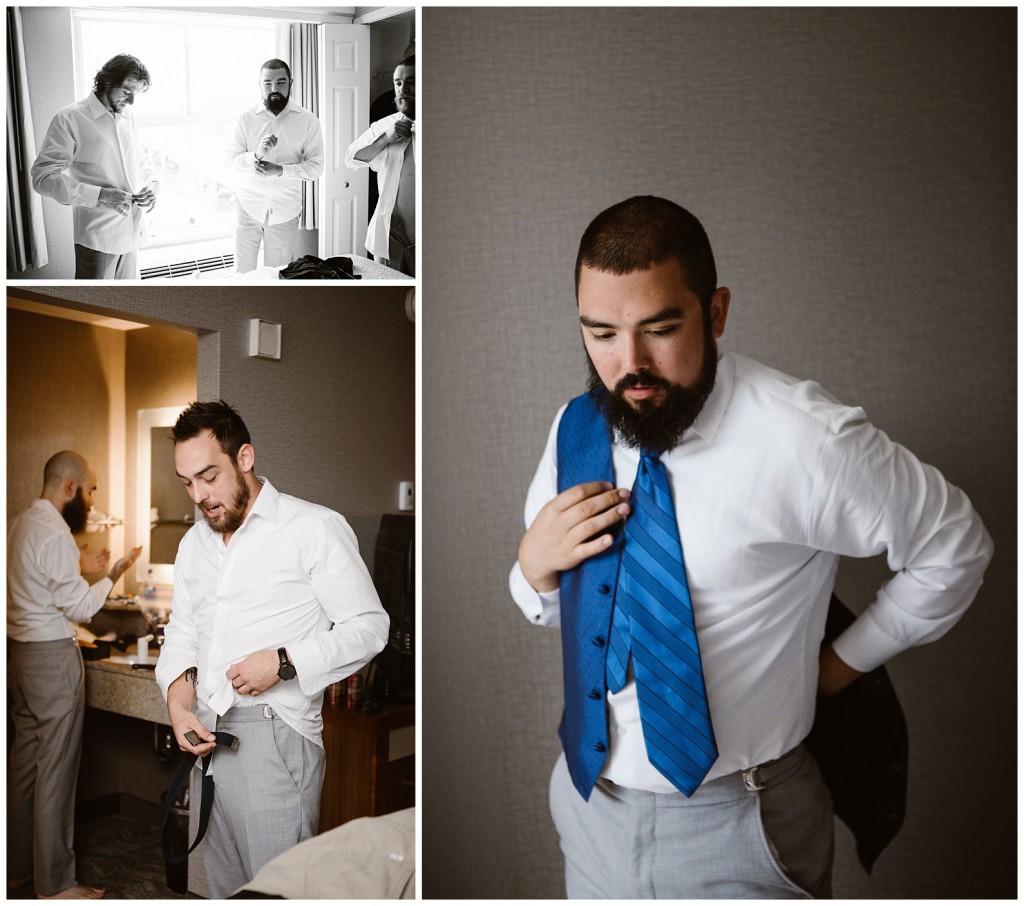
x=92 y=563
x=116 y=199
x=834 y=674
x=124 y=564
x=266 y=145
x=256 y=674
x=400 y=130
x=146 y=199
x=563 y=534
x=181 y=697
x=265 y=168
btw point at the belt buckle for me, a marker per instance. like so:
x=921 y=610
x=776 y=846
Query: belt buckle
x=268 y=713
x=750 y=779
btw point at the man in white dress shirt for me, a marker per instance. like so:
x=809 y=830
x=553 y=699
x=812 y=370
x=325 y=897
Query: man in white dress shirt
x=276 y=145
x=272 y=603
x=389 y=148
x=772 y=481
x=46 y=597
x=91 y=159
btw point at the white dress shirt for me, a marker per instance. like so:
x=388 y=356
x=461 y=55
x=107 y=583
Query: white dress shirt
x=88 y=148
x=46 y=594
x=290 y=577
x=299 y=150
x=772 y=484
x=388 y=167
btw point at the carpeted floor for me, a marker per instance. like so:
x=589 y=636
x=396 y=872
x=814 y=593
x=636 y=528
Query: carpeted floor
x=121 y=854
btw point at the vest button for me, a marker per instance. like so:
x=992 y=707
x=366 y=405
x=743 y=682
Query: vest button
x=594 y=694
x=599 y=747
x=604 y=589
x=599 y=641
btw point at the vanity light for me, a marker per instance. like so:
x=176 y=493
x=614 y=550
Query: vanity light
x=264 y=339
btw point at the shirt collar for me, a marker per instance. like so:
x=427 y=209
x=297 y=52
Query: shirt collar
x=50 y=512
x=96 y=107
x=707 y=423
x=267 y=504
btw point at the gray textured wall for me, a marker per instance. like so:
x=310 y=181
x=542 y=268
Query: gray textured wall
x=334 y=420
x=855 y=169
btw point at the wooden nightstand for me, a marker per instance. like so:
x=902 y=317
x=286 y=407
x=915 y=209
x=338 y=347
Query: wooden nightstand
x=371 y=763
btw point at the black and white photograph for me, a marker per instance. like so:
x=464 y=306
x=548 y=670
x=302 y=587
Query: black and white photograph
x=239 y=145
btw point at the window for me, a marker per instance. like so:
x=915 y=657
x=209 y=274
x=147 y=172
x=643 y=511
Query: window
x=205 y=72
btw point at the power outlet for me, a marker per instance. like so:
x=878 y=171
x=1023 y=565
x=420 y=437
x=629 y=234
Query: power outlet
x=406 y=496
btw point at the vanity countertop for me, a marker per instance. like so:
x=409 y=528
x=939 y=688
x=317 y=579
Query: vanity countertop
x=120 y=688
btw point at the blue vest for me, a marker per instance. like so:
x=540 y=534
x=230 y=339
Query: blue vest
x=587 y=595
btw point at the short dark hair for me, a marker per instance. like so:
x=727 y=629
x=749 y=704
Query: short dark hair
x=643 y=231
x=117 y=69
x=407 y=61
x=220 y=418
x=277 y=64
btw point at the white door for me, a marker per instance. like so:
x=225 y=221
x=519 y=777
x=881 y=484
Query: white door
x=345 y=109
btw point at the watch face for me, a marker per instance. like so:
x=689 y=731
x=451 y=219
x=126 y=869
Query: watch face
x=286 y=672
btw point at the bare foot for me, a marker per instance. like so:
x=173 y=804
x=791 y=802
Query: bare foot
x=78 y=892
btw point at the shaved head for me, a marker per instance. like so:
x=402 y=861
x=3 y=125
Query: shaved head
x=64 y=465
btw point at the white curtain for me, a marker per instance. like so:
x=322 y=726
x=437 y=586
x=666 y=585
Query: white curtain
x=26 y=238
x=305 y=55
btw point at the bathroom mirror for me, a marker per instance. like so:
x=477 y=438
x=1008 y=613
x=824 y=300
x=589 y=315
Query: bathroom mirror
x=163 y=509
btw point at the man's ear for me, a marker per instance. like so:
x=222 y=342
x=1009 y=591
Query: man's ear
x=246 y=458
x=719 y=310
x=70 y=487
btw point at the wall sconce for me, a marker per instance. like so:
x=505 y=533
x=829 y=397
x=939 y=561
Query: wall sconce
x=264 y=339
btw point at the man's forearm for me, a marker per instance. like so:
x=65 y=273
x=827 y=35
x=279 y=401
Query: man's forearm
x=370 y=151
x=181 y=694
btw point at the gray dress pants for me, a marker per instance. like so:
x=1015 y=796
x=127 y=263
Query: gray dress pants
x=724 y=842
x=46 y=684
x=267 y=797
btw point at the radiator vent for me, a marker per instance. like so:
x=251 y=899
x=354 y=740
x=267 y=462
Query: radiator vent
x=184 y=268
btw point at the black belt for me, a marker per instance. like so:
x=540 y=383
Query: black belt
x=180 y=779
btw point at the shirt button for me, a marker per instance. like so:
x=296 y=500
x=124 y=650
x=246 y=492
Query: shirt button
x=594 y=694
x=599 y=747
x=621 y=731
x=604 y=589
x=599 y=641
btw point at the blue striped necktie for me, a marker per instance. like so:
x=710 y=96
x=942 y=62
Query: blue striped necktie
x=653 y=621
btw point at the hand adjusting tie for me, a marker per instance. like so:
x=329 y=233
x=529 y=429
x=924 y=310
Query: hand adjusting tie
x=206 y=805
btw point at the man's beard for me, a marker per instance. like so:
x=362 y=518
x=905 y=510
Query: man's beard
x=76 y=513
x=233 y=515
x=275 y=102
x=407 y=105
x=657 y=426
x=111 y=105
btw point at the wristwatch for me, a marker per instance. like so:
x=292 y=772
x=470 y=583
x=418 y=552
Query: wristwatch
x=287 y=668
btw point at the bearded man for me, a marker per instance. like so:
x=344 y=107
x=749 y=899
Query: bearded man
x=272 y=603
x=692 y=606
x=46 y=598
x=389 y=148
x=276 y=145
x=91 y=159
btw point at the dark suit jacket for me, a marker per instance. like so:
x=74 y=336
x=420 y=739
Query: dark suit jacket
x=860 y=741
